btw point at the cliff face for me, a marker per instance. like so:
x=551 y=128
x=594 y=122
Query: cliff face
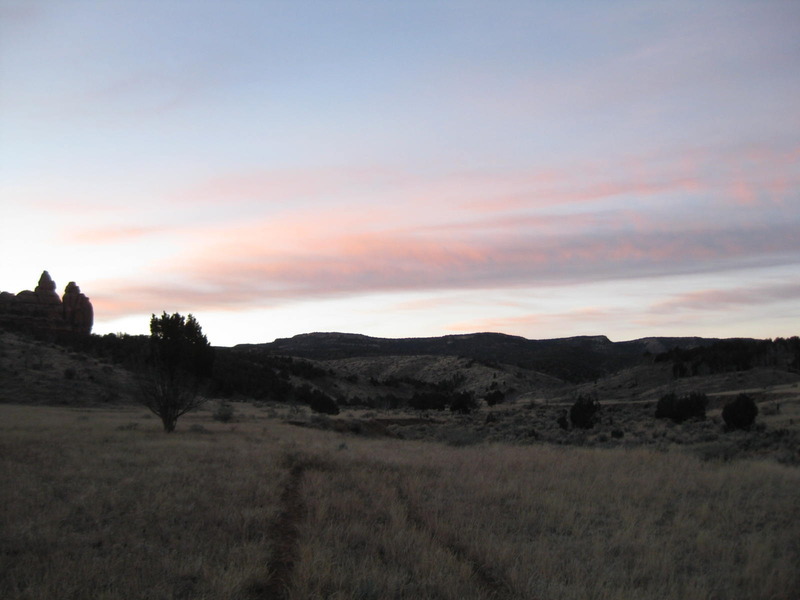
x=42 y=313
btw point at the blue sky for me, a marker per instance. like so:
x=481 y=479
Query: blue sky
x=543 y=169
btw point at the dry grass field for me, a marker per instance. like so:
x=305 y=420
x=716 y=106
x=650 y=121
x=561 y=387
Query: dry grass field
x=98 y=503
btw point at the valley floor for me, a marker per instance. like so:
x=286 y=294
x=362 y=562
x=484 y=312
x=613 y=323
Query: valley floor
x=101 y=504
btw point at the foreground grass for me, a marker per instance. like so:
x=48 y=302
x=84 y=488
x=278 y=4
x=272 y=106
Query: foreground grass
x=101 y=504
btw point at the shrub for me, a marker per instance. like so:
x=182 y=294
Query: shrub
x=562 y=420
x=322 y=403
x=223 y=413
x=665 y=407
x=495 y=397
x=584 y=411
x=428 y=401
x=318 y=400
x=679 y=409
x=740 y=413
x=463 y=403
x=692 y=406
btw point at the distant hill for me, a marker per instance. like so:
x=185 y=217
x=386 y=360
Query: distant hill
x=359 y=370
x=573 y=359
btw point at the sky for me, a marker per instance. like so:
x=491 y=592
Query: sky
x=407 y=169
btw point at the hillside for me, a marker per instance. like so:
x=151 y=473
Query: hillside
x=37 y=372
x=399 y=395
x=357 y=370
x=574 y=359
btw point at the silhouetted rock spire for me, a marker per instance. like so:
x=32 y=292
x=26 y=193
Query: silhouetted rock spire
x=42 y=313
x=78 y=311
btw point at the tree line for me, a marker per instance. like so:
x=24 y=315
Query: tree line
x=726 y=356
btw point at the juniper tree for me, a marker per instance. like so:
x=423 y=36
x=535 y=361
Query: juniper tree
x=179 y=358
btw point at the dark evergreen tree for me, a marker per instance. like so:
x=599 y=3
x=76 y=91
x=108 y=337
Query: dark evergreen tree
x=316 y=399
x=584 y=412
x=179 y=358
x=679 y=409
x=740 y=413
x=494 y=397
x=429 y=400
x=463 y=403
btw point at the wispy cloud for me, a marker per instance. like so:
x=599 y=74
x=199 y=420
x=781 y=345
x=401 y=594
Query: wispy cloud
x=716 y=299
x=290 y=184
x=588 y=318
x=111 y=235
x=307 y=233
x=265 y=263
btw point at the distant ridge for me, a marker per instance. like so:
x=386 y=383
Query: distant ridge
x=578 y=358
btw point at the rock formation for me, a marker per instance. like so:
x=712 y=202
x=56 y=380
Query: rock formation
x=42 y=313
x=78 y=311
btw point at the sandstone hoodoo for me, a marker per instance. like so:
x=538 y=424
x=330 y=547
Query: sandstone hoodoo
x=41 y=312
x=78 y=311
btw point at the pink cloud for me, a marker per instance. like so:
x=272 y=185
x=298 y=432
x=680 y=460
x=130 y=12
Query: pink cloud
x=529 y=323
x=120 y=298
x=423 y=304
x=328 y=261
x=114 y=305
x=747 y=175
x=750 y=175
x=714 y=299
x=312 y=249
x=289 y=184
x=567 y=192
x=482 y=191
x=111 y=234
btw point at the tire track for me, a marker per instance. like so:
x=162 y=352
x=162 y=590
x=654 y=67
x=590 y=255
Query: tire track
x=492 y=583
x=285 y=533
